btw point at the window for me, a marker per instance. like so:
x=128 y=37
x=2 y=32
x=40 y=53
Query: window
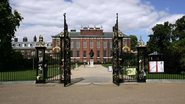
x=71 y=53
x=84 y=53
x=58 y=42
x=104 y=60
x=78 y=53
x=84 y=44
x=110 y=44
x=105 y=44
x=77 y=44
x=31 y=45
x=98 y=44
x=91 y=44
x=98 y=60
x=98 y=53
x=72 y=45
x=104 y=53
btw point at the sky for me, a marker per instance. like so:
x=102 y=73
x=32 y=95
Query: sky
x=136 y=17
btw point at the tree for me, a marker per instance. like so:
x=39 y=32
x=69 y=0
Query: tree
x=162 y=36
x=8 y=22
x=169 y=39
x=179 y=31
x=134 y=41
x=160 y=41
x=179 y=41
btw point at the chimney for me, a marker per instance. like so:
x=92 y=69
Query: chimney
x=25 y=39
x=15 y=39
x=34 y=39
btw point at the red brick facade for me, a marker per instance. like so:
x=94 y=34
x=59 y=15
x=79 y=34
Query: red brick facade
x=91 y=31
x=93 y=38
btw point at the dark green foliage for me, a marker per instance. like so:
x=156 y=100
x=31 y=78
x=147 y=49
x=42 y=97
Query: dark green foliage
x=16 y=61
x=8 y=22
x=134 y=41
x=161 y=38
x=129 y=59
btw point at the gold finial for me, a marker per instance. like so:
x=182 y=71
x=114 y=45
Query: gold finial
x=141 y=42
x=40 y=43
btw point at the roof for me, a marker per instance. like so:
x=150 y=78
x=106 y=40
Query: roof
x=155 y=54
x=28 y=45
x=78 y=35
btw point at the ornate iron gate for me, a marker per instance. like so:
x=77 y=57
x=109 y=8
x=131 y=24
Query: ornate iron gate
x=66 y=54
x=117 y=44
x=53 y=68
x=59 y=64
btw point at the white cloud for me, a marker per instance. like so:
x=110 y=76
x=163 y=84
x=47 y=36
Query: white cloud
x=170 y=18
x=46 y=16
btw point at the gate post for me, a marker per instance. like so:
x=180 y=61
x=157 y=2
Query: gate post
x=117 y=54
x=66 y=54
x=40 y=54
x=141 y=60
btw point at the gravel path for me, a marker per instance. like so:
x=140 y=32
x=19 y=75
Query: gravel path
x=145 y=93
x=96 y=74
x=92 y=86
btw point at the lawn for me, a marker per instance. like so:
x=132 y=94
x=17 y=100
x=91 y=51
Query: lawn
x=28 y=74
x=158 y=76
x=53 y=70
x=18 y=75
x=165 y=76
x=106 y=65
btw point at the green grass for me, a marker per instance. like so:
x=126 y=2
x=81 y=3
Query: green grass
x=18 y=75
x=53 y=70
x=165 y=76
x=106 y=65
x=158 y=76
x=27 y=74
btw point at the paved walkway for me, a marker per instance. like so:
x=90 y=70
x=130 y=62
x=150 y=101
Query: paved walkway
x=95 y=75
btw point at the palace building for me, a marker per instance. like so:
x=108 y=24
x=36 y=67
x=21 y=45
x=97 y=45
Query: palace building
x=90 y=38
x=27 y=48
x=81 y=44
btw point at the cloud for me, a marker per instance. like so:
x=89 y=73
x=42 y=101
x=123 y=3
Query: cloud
x=170 y=18
x=46 y=16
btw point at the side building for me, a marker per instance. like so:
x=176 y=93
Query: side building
x=90 y=38
x=27 y=48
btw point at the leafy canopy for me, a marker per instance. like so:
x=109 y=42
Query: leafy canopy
x=9 y=20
